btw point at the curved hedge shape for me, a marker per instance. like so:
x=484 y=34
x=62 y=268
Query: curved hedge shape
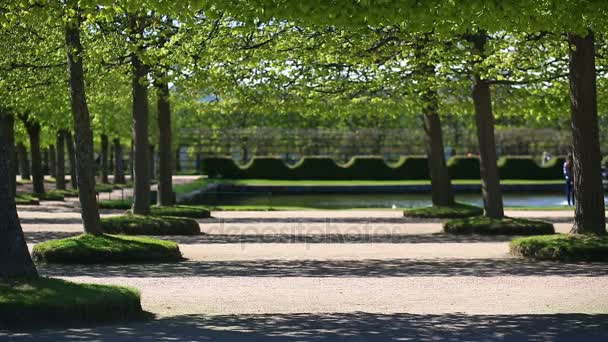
x=375 y=168
x=525 y=167
x=462 y=167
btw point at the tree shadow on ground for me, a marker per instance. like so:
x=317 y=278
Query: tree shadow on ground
x=334 y=268
x=356 y=326
x=50 y=220
x=41 y=236
x=334 y=238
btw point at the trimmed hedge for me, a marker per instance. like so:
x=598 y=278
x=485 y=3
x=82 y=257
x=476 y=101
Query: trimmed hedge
x=149 y=225
x=119 y=204
x=457 y=210
x=43 y=301
x=462 y=167
x=506 y=226
x=525 y=167
x=190 y=211
x=374 y=168
x=91 y=249
x=562 y=247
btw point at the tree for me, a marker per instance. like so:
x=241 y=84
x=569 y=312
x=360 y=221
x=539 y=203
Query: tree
x=15 y=260
x=82 y=126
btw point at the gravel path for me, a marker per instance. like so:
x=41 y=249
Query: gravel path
x=352 y=275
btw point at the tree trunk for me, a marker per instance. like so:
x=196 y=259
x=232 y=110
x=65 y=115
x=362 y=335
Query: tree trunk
x=82 y=131
x=52 y=160
x=141 y=165
x=69 y=143
x=15 y=260
x=589 y=217
x=441 y=184
x=60 y=162
x=484 y=118
x=119 y=170
x=33 y=132
x=45 y=161
x=178 y=166
x=152 y=162
x=165 y=168
x=24 y=162
x=7 y=122
x=110 y=159
x=104 y=159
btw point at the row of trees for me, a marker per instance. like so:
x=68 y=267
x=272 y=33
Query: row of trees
x=106 y=61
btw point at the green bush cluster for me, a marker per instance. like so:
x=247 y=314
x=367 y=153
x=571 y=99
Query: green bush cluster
x=506 y=226
x=149 y=225
x=375 y=168
x=457 y=210
x=91 y=249
x=562 y=247
x=44 y=301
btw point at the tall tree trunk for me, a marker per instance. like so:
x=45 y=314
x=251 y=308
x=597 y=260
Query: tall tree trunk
x=82 y=131
x=24 y=162
x=60 y=162
x=441 y=184
x=104 y=159
x=165 y=168
x=589 y=217
x=132 y=161
x=45 y=161
x=178 y=166
x=7 y=122
x=152 y=162
x=52 y=160
x=141 y=169
x=33 y=132
x=484 y=119
x=15 y=260
x=119 y=169
x=69 y=143
x=110 y=159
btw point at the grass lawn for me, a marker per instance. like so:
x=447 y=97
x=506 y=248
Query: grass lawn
x=150 y=225
x=26 y=199
x=91 y=249
x=505 y=226
x=52 y=195
x=41 y=301
x=562 y=247
x=457 y=210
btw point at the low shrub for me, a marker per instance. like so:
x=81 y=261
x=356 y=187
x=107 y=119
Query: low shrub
x=189 y=211
x=53 y=195
x=149 y=225
x=92 y=249
x=26 y=199
x=505 y=226
x=119 y=204
x=457 y=210
x=562 y=247
x=43 y=301
x=104 y=187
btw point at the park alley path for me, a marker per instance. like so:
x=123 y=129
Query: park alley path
x=360 y=274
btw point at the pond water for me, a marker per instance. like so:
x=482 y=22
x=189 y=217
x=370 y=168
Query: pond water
x=344 y=201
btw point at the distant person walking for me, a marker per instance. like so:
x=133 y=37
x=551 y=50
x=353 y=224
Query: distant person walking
x=569 y=175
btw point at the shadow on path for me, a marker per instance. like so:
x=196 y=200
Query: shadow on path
x=357 y=326
x=334 y=268
x=41 y=236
